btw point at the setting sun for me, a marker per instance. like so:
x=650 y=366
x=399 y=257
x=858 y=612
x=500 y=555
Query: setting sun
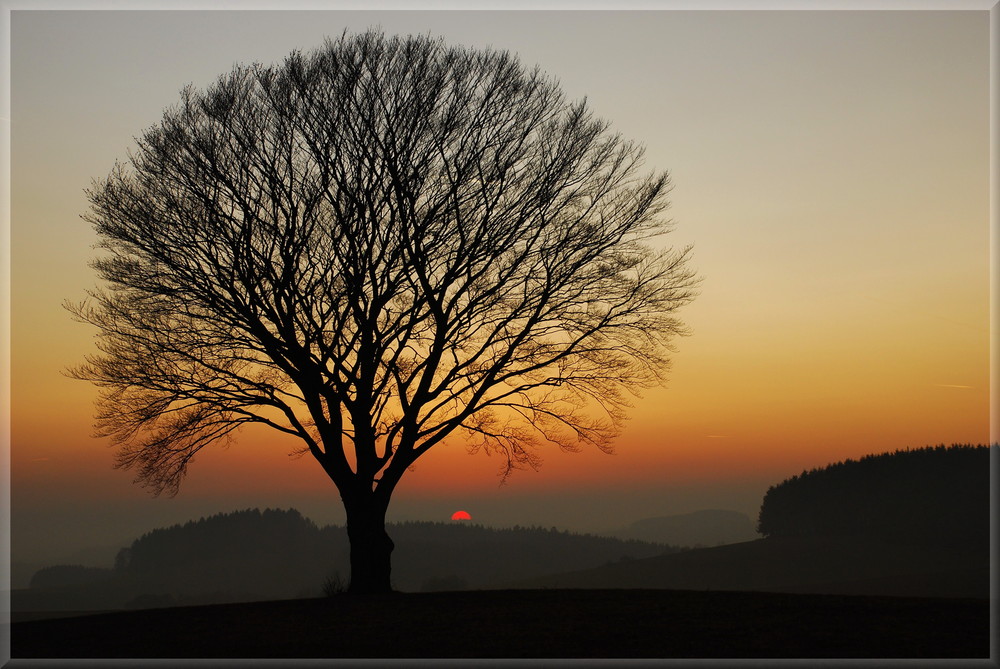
x=461 y=515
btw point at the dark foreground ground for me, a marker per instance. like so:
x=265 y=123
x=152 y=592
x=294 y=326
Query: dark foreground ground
x=529 y=624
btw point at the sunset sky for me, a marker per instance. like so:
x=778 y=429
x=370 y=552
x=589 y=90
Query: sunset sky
x=830 y=168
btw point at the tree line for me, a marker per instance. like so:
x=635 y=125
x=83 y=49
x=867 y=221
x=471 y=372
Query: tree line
x=930 y=494
x=258 y=554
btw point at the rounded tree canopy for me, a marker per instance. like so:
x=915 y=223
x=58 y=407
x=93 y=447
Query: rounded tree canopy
x=372 y=246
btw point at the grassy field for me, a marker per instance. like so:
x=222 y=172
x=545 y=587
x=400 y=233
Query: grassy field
x=529 y=624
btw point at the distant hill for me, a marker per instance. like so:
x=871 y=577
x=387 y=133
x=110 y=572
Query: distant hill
x=239 y=556
x=277 y=554
x=709 y=527
x=59 y=576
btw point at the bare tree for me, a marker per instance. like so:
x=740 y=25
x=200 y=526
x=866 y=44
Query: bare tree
x=372 y=247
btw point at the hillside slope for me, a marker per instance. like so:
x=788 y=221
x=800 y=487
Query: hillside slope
x=823 y=565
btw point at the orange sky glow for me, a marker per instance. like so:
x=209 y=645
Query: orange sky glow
x=830 y=168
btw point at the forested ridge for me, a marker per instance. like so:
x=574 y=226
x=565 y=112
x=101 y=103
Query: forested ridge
x=275 y=554
x=926 y=495
x=232 y=550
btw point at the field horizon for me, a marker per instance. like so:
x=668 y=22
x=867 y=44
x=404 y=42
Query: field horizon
x=565 y=623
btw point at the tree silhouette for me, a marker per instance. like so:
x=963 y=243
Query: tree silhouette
x=372 y=247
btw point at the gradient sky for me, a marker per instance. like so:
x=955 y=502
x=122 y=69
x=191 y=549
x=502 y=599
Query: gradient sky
x=830 y=168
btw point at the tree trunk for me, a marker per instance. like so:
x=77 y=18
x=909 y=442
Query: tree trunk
x=371 y=548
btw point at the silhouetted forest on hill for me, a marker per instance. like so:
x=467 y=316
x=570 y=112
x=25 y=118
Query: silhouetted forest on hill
x=927 y=495
x=271 y=554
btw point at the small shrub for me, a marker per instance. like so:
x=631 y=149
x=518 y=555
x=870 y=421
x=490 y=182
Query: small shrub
x=334 y=585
